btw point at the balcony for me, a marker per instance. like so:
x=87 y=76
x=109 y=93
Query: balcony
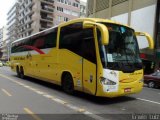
x=45 y=26
x=47 y=9
x=29 y=30
x=48 y=1
x=46 y=19
x=30 y=4
x=29 y=12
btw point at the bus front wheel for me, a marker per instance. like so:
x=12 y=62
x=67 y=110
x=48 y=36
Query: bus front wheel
x=67 y=83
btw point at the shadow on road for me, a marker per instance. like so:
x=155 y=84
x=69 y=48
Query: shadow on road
x=80 y=95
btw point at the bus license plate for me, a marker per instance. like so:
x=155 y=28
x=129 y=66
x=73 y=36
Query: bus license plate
x=127 y=90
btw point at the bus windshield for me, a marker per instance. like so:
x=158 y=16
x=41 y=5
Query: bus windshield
x=122 y=52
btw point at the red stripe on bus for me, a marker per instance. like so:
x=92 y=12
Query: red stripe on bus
x=34 y=48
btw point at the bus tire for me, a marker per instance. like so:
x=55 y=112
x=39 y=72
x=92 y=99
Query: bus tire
x=67 y=83
x=18 y=71
x=22 y=73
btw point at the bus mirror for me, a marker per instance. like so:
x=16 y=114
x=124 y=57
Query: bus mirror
x=103 y=29
x=149 y=38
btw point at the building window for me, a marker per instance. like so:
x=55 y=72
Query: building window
x=75 y=13
x=116 y=2
x=66 y=11
x=75 y=4
x=66 y=19
x=60 y=9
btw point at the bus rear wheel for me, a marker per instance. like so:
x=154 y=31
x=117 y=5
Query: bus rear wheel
x=22 y=73
x=18 y=71
x=67 y=84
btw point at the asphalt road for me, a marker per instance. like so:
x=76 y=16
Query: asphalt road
x=32 y=99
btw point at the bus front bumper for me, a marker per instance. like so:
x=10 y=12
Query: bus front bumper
x=123 y=90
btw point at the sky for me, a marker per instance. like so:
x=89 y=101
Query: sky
x=5 y=6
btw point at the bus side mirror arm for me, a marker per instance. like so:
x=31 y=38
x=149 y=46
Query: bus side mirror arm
x=149 y=38
x=103 y=29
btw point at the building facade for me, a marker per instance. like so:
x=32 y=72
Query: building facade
x=83 y=9
x=12 y=22
x=38 y=15
x=27 y=17
x=34 y=16
x=66 y=10
x=142 y=15
x=1 y=35
x=3 y=43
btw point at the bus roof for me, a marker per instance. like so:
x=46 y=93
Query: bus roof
x=73 y=21
x=93 y=20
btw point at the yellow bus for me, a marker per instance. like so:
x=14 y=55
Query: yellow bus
x=96 y=56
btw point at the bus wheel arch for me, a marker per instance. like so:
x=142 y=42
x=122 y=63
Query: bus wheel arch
x=67 y=82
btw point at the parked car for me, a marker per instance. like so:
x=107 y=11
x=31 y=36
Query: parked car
x=152 y=80
x=1 y=64
x=7 y=63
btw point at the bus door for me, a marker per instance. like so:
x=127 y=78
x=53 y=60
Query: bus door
x=89 y=62
x=77 y=53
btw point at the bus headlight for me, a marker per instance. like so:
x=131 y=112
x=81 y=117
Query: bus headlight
x=106 y=81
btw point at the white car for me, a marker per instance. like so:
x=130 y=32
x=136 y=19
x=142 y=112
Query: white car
x=1 y=64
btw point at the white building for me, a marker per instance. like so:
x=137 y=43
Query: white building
x=83 y=8
x=3 y=43
x=12 y=23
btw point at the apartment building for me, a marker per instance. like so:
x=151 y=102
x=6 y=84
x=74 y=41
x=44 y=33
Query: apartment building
x=12 y=22
x=66 y=10
x=38 y=15
x=1 y=34
x=3 y=43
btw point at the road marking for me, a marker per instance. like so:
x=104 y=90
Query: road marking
x=7 y=77
x=73 y=107
x=81 y=110
x=39 y=92
x=148 y=101
x=6 y=92
x=33 y=89
x=26 y=86
x=32 y=114
x=59 y=101
x=48 y=96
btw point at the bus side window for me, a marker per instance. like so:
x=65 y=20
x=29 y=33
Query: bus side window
x=51 y=39
x=39 y=43
x=71 y=38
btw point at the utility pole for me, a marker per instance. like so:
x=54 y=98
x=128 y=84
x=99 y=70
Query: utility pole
x=94 y=8
x=130 y=6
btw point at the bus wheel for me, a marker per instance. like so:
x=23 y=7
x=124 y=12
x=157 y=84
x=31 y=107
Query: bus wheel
x=22 y=73
x=18 y=72
x=67 y=84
